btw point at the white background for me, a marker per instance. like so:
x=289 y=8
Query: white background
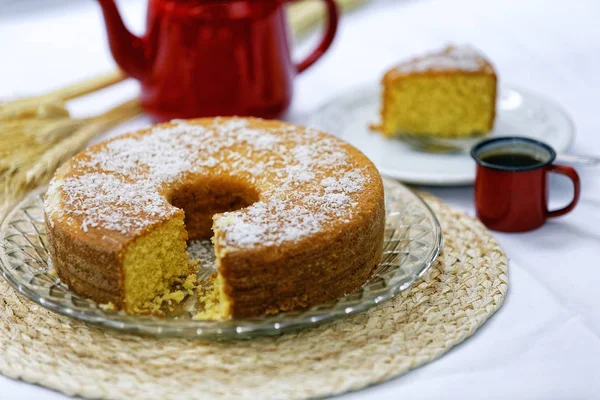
x=545 y=341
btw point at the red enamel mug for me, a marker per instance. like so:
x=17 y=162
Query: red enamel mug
x=511 y=186
x=203 y=58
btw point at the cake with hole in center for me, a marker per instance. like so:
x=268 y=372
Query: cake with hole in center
x=296 y=216
x=450 y=93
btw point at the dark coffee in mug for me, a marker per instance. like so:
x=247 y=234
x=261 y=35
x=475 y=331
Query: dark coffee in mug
x=511 y=159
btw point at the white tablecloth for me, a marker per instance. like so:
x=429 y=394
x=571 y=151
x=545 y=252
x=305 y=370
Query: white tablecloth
x=545 y=341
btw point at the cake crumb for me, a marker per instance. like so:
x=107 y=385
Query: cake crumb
x=176 y=296
x=209 y=296
x=108 y=306
x=190 y=284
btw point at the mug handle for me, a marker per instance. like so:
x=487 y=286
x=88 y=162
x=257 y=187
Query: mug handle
x=333 y=17
x=571 y=174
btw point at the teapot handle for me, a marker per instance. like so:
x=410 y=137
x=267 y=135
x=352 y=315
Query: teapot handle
x=332 y=24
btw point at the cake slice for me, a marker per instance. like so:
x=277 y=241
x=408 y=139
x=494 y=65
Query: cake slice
x=451 y=93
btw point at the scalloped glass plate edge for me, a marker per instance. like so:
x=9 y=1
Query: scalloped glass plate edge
x=405 y=259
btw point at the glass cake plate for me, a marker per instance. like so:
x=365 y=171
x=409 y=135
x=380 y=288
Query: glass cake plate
x=412 y=242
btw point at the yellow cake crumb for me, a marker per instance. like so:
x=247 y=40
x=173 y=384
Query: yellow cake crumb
x=108 y=306
x=190 y=283
x=177 y=293
x=211 y=298
x=176 y=296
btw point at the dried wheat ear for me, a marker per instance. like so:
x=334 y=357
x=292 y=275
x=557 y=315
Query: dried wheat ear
x=37 y=134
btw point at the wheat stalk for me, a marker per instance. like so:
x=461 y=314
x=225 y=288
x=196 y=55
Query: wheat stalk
x=45 y=166
x=37 y=134
x=52 y=105
x=36 y=165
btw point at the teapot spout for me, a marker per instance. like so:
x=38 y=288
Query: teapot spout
x=127 y=49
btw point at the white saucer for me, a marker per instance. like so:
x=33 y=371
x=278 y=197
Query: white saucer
x=519 y=113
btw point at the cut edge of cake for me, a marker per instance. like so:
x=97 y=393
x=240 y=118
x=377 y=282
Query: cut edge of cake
x=154 y=265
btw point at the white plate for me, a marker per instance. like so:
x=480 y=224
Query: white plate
x=519 y=113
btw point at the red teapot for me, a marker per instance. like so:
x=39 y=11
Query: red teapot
x=203 y=58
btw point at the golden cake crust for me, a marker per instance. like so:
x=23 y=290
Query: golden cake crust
x=298 y=214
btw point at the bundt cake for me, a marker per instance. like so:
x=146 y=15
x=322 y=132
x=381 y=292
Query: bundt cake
x=451 y=93
x=296 y=215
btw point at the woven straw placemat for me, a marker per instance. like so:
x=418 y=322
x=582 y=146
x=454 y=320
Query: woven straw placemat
x=463 y=288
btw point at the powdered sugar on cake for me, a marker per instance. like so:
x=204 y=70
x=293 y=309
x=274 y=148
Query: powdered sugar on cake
x=140 y=199
x=462 y=58
x=306 y=180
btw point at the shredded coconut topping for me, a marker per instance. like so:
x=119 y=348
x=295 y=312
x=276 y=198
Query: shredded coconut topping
x=110 y=193
x=306 y=179
x=462 y=58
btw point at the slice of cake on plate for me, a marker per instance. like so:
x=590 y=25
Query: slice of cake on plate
x=451 y=93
